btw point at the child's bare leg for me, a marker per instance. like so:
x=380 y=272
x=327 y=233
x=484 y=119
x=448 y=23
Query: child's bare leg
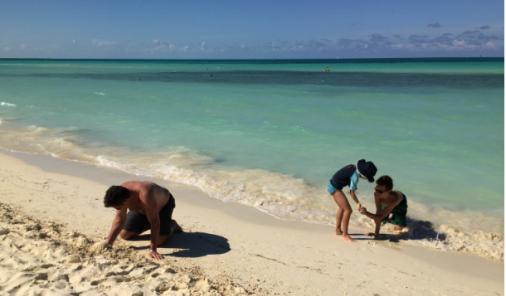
x=346 y=210
x=339 y=218
x=346 y=220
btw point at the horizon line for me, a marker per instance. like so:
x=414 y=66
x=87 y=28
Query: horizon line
x=259 y=59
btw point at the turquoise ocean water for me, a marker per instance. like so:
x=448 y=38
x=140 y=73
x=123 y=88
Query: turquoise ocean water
x=271 y=133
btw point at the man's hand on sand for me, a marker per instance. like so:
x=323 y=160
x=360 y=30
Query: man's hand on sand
x=155 y=255
x=102 y=246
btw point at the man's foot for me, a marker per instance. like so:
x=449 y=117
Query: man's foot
x=401 y=230
x=347 y=237
x=338 y=231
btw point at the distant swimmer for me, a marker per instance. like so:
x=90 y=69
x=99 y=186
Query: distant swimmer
x=348 y=176
x=391 y=206
x=149 y=206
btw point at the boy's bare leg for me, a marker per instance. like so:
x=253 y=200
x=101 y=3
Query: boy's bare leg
x=344 y=205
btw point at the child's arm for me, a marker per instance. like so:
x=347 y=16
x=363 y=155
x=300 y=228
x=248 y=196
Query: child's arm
x=355 y=199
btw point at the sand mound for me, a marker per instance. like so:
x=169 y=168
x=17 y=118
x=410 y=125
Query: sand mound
x=42 y=258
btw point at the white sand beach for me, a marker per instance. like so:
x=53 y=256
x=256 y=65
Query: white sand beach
x=52 y=215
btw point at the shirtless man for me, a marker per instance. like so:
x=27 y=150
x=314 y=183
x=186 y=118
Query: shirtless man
x=149 y=206
x=387 y=202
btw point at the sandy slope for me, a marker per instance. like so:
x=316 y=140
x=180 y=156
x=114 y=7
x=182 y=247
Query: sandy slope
x=231 y=245
x=43 y=258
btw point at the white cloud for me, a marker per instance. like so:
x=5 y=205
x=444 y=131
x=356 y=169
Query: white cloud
x=102 y=43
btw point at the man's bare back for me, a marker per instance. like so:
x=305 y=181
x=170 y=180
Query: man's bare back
x=155 y=192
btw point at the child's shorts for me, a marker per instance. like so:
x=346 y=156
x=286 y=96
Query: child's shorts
x=331 y=189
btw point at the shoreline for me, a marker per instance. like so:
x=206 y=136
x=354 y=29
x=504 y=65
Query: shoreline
x=447 y=230
x=282 y=256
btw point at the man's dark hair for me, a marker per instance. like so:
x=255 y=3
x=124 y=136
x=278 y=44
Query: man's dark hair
x=115 y=196
x=385 y=181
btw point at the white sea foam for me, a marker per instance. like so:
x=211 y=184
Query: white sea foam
x=277 y=194
x=99 y=93
x=7 y=104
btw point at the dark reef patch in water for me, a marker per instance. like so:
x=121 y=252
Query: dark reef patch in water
x=350 y=79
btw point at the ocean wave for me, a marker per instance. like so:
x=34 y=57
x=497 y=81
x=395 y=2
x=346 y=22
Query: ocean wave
x=279 y=195
x=7 y=104
x=41 y=140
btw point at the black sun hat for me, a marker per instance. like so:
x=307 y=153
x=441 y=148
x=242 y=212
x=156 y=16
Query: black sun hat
x=367 y=169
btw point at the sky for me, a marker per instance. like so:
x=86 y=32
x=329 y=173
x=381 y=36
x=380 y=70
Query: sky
x=240 y=29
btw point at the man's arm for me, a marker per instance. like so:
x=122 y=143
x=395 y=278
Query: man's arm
x=377 y=202
x=117 y=224
x=377 y=222
x=381 y=214
x=154 y=220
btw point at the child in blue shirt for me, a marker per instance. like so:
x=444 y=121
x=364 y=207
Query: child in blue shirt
x=348 y=176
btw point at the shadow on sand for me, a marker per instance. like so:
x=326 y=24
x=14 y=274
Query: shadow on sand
x=418 y=230
x=192 y=244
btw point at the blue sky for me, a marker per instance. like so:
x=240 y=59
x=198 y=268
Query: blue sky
x=250 y=29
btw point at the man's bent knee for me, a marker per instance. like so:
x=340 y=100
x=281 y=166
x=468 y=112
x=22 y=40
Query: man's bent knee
x=127 y=235
x=162 y=239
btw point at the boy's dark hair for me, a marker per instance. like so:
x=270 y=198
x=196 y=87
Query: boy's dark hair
x=385 y=181
x=115 y=196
